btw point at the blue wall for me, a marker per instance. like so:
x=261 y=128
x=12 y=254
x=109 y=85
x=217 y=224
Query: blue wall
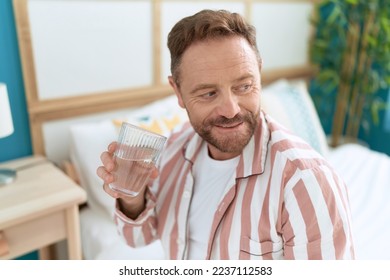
x=19 y=143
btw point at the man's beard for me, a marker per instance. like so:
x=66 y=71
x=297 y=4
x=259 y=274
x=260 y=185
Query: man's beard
x=233 y=142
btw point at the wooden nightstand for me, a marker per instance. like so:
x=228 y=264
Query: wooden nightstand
x=38 y=209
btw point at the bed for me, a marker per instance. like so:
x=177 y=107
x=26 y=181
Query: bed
x=80 y=87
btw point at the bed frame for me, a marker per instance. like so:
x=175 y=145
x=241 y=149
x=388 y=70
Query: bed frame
x=42 y=110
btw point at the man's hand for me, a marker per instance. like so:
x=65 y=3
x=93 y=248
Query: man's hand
x=130 y=206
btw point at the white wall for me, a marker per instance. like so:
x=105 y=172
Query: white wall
x=86 y=46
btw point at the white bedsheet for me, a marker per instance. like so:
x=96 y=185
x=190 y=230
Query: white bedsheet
x=100 y=240
x=366 y=173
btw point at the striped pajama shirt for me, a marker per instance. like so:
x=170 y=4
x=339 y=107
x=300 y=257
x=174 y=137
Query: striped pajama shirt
x=284 y=202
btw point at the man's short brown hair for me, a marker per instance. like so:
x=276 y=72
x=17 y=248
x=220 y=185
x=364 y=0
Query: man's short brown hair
x=204 y=25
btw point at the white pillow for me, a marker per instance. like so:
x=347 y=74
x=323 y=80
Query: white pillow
x=290 y=104
x=89 y=140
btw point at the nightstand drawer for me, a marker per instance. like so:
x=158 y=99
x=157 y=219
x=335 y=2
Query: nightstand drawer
x=33 y=234
x=38 y=209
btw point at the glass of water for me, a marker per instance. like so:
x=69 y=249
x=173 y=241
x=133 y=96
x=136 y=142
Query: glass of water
x=136 y=154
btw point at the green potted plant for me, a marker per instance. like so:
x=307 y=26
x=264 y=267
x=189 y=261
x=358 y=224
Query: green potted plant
x=351 y=51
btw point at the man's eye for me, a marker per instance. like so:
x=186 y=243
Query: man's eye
x=208 y=94
x=244 y=88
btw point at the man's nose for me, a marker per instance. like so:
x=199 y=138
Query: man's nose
x=228 y=105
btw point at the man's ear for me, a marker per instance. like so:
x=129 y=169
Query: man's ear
x=177 y=91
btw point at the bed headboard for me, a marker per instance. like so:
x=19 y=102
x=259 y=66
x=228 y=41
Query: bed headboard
x=87 y=57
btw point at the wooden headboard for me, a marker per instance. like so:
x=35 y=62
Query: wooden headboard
x=86 y=57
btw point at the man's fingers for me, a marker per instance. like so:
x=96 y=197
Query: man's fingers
x=112 y=193
x=108 y=161
x=111 y=148
x=104 y=175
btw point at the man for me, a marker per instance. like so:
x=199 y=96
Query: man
x=234 y=184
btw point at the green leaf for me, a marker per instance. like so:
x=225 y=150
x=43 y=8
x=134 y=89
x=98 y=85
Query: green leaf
x=377 y=106
x=333 y=15
x=352 y=2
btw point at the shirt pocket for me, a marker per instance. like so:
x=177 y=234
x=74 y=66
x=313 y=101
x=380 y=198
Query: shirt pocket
x=251 y=249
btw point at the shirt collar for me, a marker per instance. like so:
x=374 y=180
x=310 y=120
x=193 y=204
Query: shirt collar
x=253 y=157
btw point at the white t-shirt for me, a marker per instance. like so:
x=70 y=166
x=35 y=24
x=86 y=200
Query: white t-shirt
x=211 y=178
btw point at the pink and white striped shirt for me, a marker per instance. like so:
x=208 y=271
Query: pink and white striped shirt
x=285 y=202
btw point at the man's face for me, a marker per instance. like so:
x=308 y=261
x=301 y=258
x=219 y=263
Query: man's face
x=220 y=89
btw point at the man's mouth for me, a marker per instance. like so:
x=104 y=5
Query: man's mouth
x=229 y=125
